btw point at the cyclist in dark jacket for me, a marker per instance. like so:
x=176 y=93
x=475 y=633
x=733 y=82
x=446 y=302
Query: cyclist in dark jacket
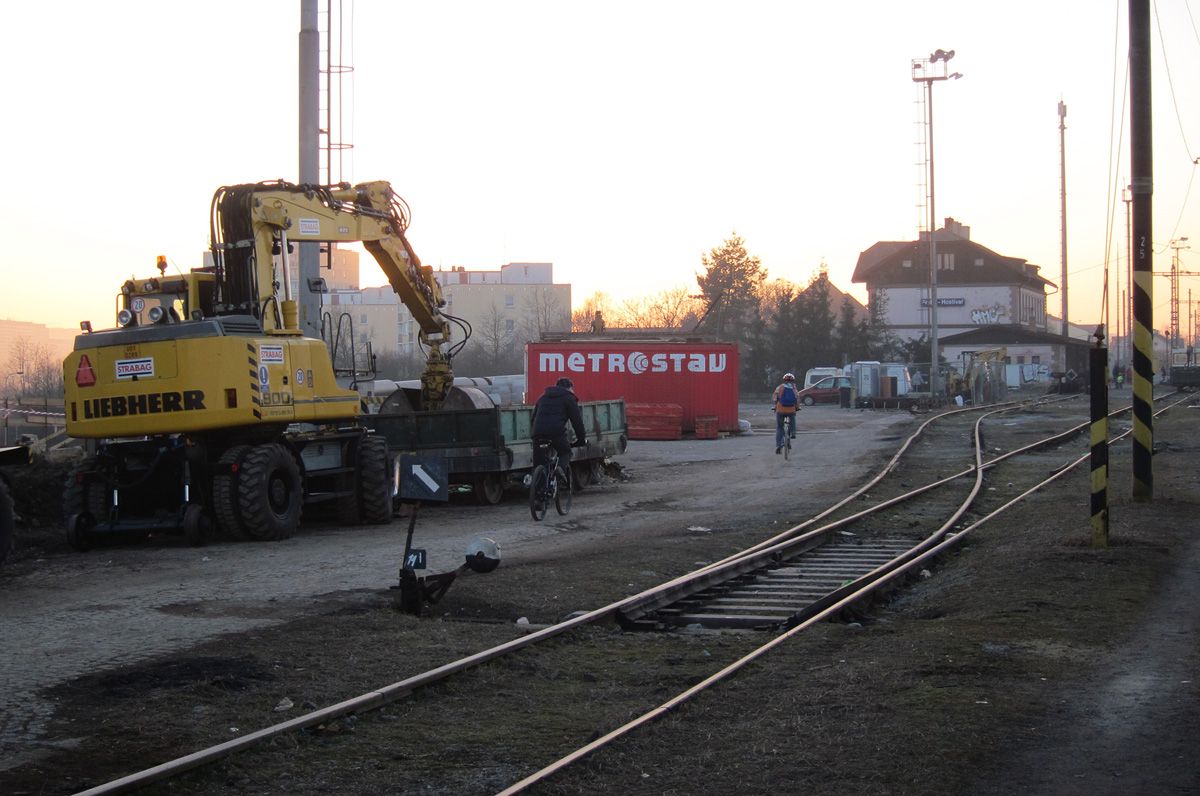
x=558 y=406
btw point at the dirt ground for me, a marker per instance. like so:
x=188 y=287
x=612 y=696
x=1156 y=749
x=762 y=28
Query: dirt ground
x=1028 y=662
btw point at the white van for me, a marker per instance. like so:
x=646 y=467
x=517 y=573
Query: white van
x=813 y=375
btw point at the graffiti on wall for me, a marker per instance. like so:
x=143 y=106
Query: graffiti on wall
x=990 y=314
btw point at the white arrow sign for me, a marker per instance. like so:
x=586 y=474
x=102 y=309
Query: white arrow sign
x=424 y=477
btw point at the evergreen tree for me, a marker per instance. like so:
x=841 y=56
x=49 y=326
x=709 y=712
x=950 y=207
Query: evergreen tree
x=816 y=324
x=881 y=343
x=851 y=334
x=781 y=328
x=730 y=288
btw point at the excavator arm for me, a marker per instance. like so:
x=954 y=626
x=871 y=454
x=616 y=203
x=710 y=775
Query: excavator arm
x=252 y=223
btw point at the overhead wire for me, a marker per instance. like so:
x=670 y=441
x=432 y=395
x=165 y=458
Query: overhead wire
x=1117 y=131
x=1162 y=41
x=1178 y=119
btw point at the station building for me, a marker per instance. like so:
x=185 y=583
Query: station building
x=985 y=300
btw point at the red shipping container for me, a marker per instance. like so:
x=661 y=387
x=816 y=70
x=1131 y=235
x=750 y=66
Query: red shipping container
x=701 y=377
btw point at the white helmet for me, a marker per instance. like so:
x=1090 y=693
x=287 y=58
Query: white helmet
x=483 y=554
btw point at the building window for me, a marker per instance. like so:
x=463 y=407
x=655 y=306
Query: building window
x=508 y=326
x=978 y=262
x=946 y=261
x=906 y=264
x=1020 y=360
x=362 y=319
x=509 y=301
x=1037 y=360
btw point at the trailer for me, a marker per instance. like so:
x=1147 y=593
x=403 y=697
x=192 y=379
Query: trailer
x=1185 y=377
x=489 y=448
x=10 y=457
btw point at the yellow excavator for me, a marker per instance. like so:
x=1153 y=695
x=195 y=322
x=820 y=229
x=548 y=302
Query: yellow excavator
x=210 y=404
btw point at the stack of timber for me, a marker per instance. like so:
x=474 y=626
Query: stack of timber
x=706 y=427
x=654 y=421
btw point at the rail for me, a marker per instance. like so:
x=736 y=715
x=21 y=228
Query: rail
x=397 y=690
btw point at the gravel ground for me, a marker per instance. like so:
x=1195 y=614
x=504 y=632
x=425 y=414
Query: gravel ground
x=1028 y=662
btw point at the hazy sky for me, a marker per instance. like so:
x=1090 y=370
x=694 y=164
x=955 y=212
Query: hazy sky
x=619 y=140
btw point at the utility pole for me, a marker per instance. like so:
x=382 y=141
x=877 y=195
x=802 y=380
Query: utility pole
x=1141 y=145
x=1127 y=303
x=1062 y=177
x=309 y=125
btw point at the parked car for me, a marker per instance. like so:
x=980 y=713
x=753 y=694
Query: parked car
x=813 y=375
x=824 y=391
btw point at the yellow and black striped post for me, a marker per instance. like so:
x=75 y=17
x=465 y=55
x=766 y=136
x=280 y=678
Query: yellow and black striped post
x=1098 y=378
x=1142 y=162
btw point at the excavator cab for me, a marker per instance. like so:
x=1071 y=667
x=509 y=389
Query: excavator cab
x=165 y=299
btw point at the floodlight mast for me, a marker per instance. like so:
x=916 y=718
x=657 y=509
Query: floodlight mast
x=925 y=70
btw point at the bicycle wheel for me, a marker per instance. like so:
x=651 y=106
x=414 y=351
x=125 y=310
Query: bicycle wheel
x=537 y=489
x=562 y=497
x=787 y=438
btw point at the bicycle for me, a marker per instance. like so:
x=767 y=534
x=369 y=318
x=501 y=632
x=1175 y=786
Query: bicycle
x=548 y=482
x=788 y=420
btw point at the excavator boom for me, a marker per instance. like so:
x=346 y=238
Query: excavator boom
x=252 y=222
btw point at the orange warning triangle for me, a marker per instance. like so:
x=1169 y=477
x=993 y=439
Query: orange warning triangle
x=84 y=375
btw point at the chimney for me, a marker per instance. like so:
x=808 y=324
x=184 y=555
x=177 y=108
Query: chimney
x=957 y=229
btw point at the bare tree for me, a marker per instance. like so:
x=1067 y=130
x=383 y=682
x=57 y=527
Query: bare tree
x=496 y=334
x=44 y=377
x=582 y=318
x=544 y=312
x=21 y=355
x=672 y=308
x=399 y=366
x=634 y=313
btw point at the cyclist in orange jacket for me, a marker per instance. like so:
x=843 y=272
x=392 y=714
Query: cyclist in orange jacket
x=785 y=403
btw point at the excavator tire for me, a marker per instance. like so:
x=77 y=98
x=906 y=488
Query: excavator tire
x=84 y=491
x=225 y=493
x=375 y=480
x=488 y=489
x=7 y=522
x=196 y=525
x=270 y=494
x=581 y=475
x=79 y=532
x=348 y=506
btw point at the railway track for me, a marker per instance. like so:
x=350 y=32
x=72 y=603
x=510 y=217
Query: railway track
x=747 y=590
x=849 y=567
